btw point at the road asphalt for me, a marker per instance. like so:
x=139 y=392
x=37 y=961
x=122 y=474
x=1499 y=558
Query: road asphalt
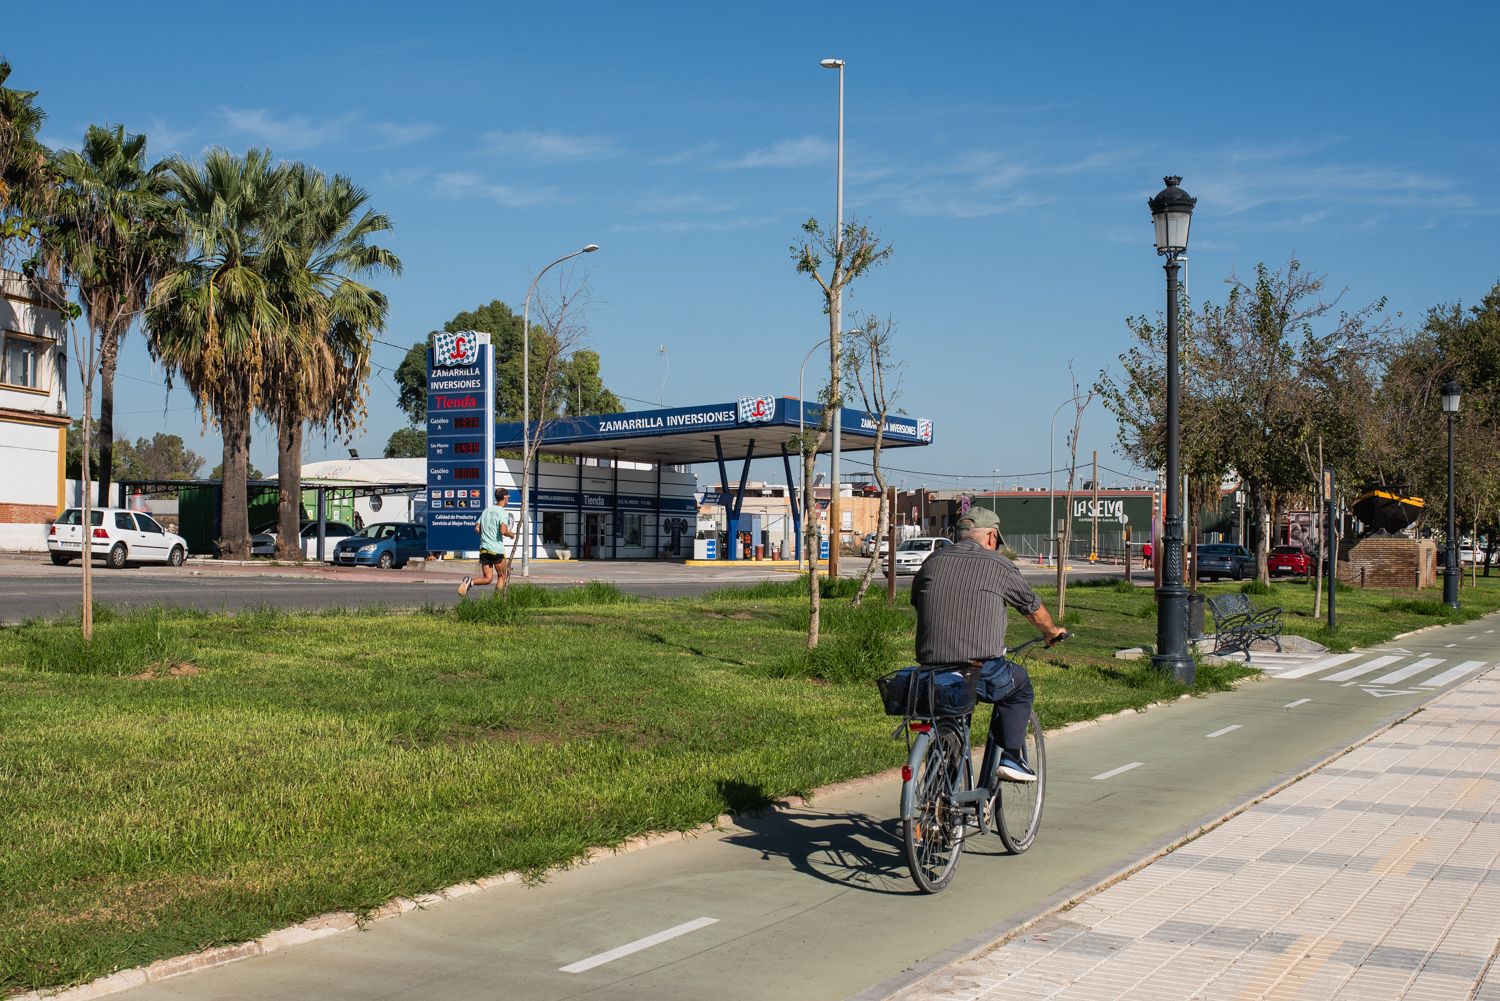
x=31 y=586
x=814 y=902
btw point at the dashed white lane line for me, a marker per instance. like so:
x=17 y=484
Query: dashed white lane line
x=1228 y=729
x=1117 y=771
x=1471 y=637
x=1450 y=646
x=1294 y=705
x=637 y=945
x=1453 y=674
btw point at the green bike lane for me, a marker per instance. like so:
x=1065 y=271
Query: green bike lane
x=815 y=902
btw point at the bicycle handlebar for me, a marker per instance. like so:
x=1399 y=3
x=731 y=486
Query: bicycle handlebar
x=1034 y=641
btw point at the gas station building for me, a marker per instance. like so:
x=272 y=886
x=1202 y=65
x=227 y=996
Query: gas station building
x=629 y=491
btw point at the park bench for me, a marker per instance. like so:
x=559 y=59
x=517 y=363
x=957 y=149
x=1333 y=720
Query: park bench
x=1238 y=624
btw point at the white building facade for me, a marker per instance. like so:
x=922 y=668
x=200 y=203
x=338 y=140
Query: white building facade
x=33 y=414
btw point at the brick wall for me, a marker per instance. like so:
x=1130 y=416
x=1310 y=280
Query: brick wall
x=1388 y=562
x=27 y=514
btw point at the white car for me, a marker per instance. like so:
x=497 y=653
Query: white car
x=117 y=536
x=334 y=532
x=911 y=554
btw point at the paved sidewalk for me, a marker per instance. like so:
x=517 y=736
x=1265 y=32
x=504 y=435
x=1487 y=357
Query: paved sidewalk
x=1374 y=878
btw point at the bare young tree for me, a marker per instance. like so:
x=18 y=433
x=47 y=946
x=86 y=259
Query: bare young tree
x=878 y=379
x=561 y=316
x=850 y=251
x=1081 y=401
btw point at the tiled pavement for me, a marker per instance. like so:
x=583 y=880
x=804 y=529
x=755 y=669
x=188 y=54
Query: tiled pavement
x=1373 y=878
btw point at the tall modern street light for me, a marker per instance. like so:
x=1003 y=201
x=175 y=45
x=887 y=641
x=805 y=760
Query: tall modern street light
x=807 y=506
x=1450 y=562
x=1171 y=213
x=526 y=409
x=837 y=325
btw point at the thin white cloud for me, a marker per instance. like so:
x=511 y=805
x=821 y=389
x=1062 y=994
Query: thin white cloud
x=686 y=155
x=802 y=152
x=550 y=147
x=685 y=202
x=461 y=185
x=299 y=132
x=713 y=225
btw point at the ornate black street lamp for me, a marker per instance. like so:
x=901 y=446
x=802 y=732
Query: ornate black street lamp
x=1171 y=212
x=1450 y=563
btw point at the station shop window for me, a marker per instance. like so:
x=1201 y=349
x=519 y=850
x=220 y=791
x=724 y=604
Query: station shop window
x=632 y=530
x=552 y=527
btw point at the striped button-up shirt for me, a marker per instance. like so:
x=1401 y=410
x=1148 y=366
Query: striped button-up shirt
x=960 y=595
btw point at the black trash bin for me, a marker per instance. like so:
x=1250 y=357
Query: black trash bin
x=1195 y=615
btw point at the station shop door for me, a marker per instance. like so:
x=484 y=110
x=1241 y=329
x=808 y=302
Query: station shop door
x=594 y=528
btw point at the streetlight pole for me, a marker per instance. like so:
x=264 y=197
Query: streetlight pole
x=1051 y=492
x=526 y=409
x=1450 y=561
x=837 y=326
x=802 y=456
x=1171 y=214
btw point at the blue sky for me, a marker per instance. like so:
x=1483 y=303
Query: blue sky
x=1004 y=150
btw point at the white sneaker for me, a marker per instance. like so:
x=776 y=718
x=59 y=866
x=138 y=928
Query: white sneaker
x=464 y=585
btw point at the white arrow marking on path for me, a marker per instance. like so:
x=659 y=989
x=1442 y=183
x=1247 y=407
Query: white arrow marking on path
x=1453 y=673
x=1117 y=771
x=1381 y=693
x=1319 y=665
x=637 y=945
x=1294 y=705
x=1228 y=729
x=1408 y=671
x=1355 y=672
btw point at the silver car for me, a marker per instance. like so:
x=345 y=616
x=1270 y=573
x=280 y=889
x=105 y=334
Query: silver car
x=911 y=554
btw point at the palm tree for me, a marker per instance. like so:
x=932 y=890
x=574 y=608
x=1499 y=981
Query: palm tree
x=209 y=320
x=316 y=370
x=26 y=181
x=116 y=237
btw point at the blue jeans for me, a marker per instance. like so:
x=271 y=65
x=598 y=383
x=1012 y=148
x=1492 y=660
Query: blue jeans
x=1008 y=686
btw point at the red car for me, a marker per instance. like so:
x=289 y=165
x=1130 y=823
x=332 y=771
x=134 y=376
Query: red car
x=1289 y=559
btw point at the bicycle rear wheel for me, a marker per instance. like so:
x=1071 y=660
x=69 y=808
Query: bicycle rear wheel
x=933 y=832
x=1018 y=805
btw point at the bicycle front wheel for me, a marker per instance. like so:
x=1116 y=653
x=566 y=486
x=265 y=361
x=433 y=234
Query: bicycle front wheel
x=1018 y=813
x=932 y=828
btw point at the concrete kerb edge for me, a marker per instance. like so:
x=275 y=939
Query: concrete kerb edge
x=1070 y=896
x=336 y=922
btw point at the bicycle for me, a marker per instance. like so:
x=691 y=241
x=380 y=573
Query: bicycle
x=940 y=803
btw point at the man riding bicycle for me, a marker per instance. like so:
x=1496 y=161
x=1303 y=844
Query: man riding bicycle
x=960 y=596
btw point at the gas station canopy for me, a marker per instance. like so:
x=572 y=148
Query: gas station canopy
x=756 y=427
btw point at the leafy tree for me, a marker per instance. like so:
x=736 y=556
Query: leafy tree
x=313 y=247
x=161 y=457
x=217 y=473
x=212 y=320
x=112 y=226
x=407 y=443
x=850 y=249
x=583 y=390
x=573 y=378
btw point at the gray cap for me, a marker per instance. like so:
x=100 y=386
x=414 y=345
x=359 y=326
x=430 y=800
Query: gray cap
x=980 y=517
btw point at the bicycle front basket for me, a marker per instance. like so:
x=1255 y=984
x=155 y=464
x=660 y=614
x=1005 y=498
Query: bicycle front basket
x=919 y=691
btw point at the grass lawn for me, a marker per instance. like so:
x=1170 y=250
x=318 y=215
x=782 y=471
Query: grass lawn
x=196 y=779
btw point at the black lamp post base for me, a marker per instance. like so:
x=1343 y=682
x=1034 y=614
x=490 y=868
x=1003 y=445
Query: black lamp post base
x=1172 y=655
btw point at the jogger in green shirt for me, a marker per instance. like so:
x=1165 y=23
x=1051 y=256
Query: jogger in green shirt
x=492 y=526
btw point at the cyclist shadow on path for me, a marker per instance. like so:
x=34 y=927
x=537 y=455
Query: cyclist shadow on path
x=848 y=849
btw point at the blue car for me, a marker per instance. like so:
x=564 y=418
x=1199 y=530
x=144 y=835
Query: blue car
x=387 y=545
